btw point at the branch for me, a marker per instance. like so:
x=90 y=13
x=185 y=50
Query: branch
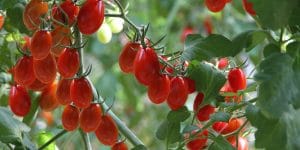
x=61 y=133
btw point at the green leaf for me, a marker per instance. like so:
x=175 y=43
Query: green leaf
x=139 y=147
x=271 y=49
x=179 y=115
x=248 y=40
x=169 y=131
x=14 y=19
x=220 y=116
x=44 y=137
x=220 y=142
x=189 y=128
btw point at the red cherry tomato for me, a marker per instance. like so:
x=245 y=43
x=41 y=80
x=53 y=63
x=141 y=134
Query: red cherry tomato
x=37 y=85
x=107 y=131
x=41 y=44
x=91 y=16
x=237 y=79
x=178 y=93
x=159 y=91
x=208 y=25
x=223 y=63
x=19 y=100
x=146 y=66
x=60 y=39
x=120 y=146
x=243 y=143
x=63 y=92
x=1 y=21
x=215 y=5
x=45 y=69
x=67 y=12
x=219 y=126
x=81 y=92
x=248 y=6
x=233 y=125
x=127 y=56
x=48 y=101
x=199 y=143
x=204 y=112
x=27 y=44
x=32 y=13
x=190 y=84
x=23 y=71
x=90 y=118
x=70 y=118
x=227 y=88
x=68 y=63
x=186 y=31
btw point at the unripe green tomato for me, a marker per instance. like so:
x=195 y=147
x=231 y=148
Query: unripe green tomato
x=116 y=24
x=104 y=34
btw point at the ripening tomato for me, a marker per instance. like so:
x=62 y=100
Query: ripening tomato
x=159 y=91
x=37 y=85
x=199 y=142
x=248 y=6
x=67 y=12
x=107 y=131
x=208 y=25
x=45 y=69
x=178 y=93
x=104 y=33
x=90 y=118
x=237 y=79
x=119 y=146
x=68 y=63
x=242 y=143
x=32 y=13
x=215 y=5
x=190 y=84
x=186 y=31
x=60 y=39
x=204 y=112
x=23 y=71
x=1 y=21
x=19 y=100
x=219 y=126
x=81 y=92
x=227 y=88
x=48 y=101
x=146 y=66
x=233 y=125
x=41 y=44
x=91 y=16
x=223 y=63
x=127 y=56
x=70 y=118
x=26 y=45
x=63 y=92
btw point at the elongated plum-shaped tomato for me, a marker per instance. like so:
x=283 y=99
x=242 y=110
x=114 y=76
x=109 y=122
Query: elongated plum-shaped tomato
x=41 y=44
x=68 y=63
x=159 y=91
x=215 y=5
x=67 y=12
x=178 y=93
x=146 y=66
x=204 y=112
x=233 y=125
x=120 y=146
x=37 y=85
x=90 y=118
x=223 y=63
x=81 y=92
x=190 y=84
x=60 y=39
x=63 y=92
x=199 y=142
x=70 y=118
x=107 y=131
x=23 y=71
x=219 y=126
x=32 y=13
x=91 y=16
x=237 y=79
x=19 y=100
x=48 y=101
x=45 y=69
x=248 y=6
x=127 y=56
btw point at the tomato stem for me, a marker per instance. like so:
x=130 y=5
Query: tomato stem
x=61 y=133
x=86 y=140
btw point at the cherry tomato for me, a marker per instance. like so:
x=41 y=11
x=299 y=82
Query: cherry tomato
x=208 y=25
x=45 y=69
x=233 y=125
x=198 y=143
x=107 y=131
x=248 y=6
x=81 y=92
x=90 y=118
x=91 y=16
x=215 y=5
x=67 y=12
x=115 y=24
x=159 y=91
x=227 y=88
x=223 y=63
x=186 y=31
x=104 y=33
x=41 y=44
x=63 y=92
x=48 y=101
x=243 y=143
x=127 y=56
x=68 y=63
x=237 y=79
x=19 y=100
x=23 y=71
x=70 y=118
x=48 y=117
x=204 y=112
x=32 y=13
x=190 y=84
x=27 y=44
x=219 y=126
x=120 y=146
x=60 y=39
x=37 y=85
x=178 y=93
x=1 y=21
x=146 y=66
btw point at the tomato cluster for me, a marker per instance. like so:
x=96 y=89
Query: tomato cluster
x=218 y=5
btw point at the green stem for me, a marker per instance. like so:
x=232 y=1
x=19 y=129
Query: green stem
x=61 y=133
x=86 y=140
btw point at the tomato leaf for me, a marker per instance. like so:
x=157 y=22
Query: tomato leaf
x=248 y=40
x=179 y=115
x=139 y=147
x=189 y=128
x=220 y=116
x=169 y=131
x=220 y=142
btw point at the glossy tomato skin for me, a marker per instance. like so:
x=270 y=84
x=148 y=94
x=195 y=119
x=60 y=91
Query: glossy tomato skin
x=190 y=84
x=63 y=92
x=90 y=118
x=178 y=93
x=69 y=8
x=248 y=6
x=32 y=13
x=243 y=143
x=37 y=85
x=107 y=131
x=223 y=63
x=23 y=71
x=186 y=31
x=146 y=66
x=41 y=44
x=81 y=92
x=237 y=79
x=19 y=100
x=60 y=39
x=204 y=112
x=119 y=146
x=48 y=101
x=91 y=16
x=233 y=125
x=68 y=63
x=215 y=5
x=199 y=143
x=1 y=21
x=45 y=69
x=219 y=126
x=127 y=56
x=70 y=118
x=159 y=91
